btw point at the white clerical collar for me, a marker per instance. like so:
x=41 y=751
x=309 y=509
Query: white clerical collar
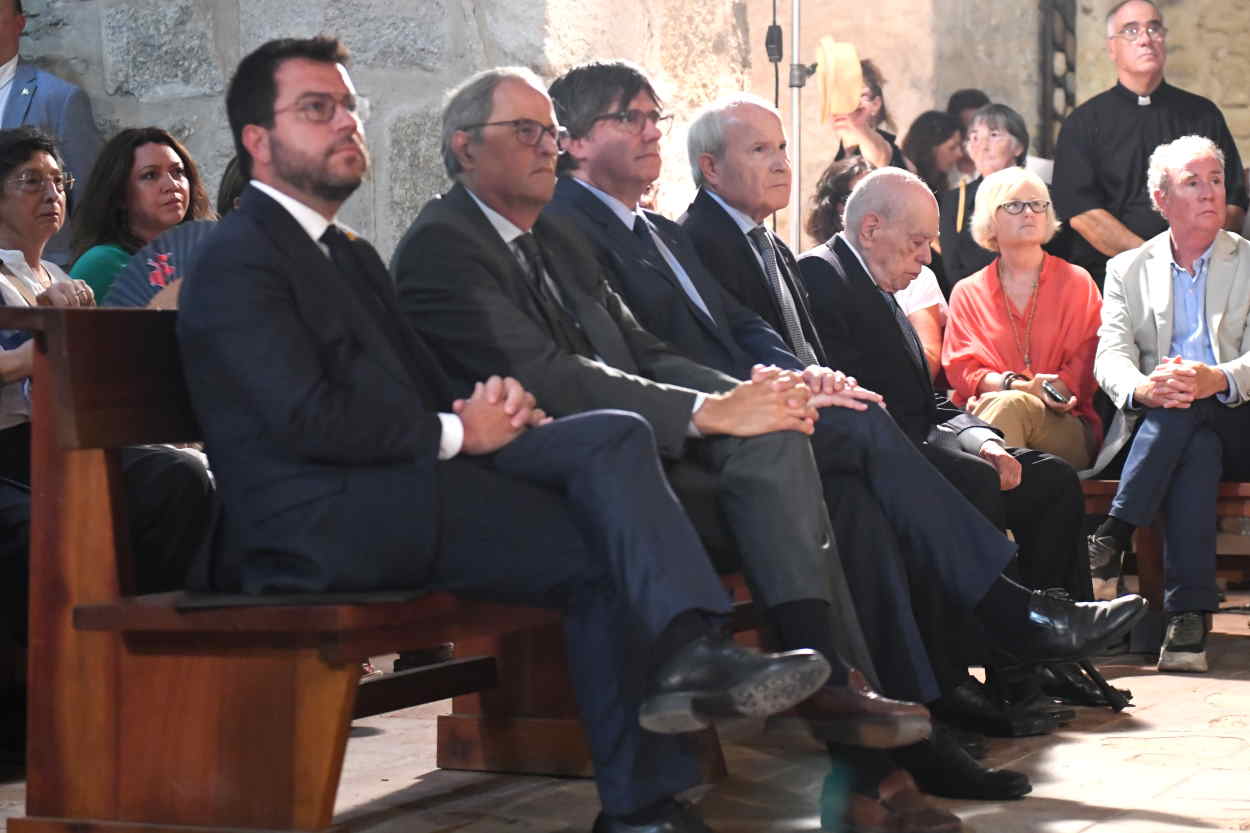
x=310 y=220
x=507 y=229
x=623 y=212
x=7 y=71
x=744 y=222
x=1143 y=101
x=846 y=240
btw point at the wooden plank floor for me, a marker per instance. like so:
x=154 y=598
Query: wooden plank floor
x=1178 y=761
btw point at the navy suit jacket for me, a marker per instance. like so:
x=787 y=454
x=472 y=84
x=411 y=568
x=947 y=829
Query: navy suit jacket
x=729 y=255
x=461 y=287
x=40 y=99
x=863 y=339
x=732 y=340
x=318 y=411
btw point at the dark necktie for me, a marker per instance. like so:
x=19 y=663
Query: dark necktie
x=643 y=232
x=781 y=294
x=366 y=278
x=562 y=326
x=909 y=332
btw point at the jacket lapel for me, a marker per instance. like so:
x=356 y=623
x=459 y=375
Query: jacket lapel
x=1159 y=291
x=1220 y=277
x=21 y=94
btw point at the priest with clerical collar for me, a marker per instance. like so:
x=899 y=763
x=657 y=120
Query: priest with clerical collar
x=1104 y=148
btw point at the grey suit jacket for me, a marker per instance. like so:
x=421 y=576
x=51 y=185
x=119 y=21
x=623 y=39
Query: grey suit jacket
x=461 y=288
x=40 y=99
x=1137 y=323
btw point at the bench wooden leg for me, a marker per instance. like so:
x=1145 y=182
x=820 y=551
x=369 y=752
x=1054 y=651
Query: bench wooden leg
x=1148 y=546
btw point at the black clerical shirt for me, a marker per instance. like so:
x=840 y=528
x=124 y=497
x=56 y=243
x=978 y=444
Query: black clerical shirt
x=1104 y=151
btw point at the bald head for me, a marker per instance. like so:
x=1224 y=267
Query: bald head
x=891 y=220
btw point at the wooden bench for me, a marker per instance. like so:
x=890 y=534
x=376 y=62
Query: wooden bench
x=1233 y=501
x=147 y=718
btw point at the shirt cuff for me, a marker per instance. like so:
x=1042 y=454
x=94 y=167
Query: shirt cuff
x=1231 y=396
x=691 y=431
x=972 y=439
x=452 y=439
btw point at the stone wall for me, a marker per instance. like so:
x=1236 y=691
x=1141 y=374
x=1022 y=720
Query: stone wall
x=1208 y=54
x=167 y=62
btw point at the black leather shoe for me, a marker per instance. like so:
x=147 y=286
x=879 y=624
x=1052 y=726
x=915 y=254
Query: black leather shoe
x=1062 y=630
x=971 y=706
x=713 y=676
x=941 y=767
x=683 y=819
x=974 y=743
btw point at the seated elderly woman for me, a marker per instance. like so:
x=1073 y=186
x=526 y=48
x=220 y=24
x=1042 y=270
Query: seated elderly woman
x=1020 y=339
x=997 y=138
x=922 y=300
x=144 y=183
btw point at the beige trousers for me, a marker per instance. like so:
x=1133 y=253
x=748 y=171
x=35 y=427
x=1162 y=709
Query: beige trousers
x=1026 y=422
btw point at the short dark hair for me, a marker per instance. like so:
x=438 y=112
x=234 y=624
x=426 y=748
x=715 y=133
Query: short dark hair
x=588 y=90
x=830 y=198
x=17 y=7
x=102 y=215
x=969 y=99
x=230 y=187
x=253 y=90
x=1002 y=117
x=19 y=144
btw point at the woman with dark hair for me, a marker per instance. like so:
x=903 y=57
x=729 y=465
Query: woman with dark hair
x=859 y=132
x=144 y=183
x=834 y=186
x=934 y=144
x=997 y=139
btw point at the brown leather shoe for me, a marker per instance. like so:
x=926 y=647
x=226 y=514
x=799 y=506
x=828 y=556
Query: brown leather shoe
x=900 y=808
x=856 y=715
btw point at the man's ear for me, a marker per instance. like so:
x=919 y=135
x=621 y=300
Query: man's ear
x=256 y=141
x=710 y=167
x=462 y=148
x=869 y=228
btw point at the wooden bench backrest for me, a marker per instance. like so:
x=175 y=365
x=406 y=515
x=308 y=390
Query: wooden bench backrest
x=104 y=397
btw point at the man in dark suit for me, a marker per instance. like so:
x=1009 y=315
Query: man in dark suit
x=345 y=464
x=40 y=99
x=851 y=280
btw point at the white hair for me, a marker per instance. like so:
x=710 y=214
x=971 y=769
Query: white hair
x=1173 y=156
x=878 y=193
x=1115 y=10
x=707 y=131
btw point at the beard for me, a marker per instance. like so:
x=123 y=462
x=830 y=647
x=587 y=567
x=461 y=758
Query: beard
x=313 y=176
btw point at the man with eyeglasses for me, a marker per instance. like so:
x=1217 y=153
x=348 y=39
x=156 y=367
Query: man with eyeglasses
x=1102 y=153
x=1174 y=356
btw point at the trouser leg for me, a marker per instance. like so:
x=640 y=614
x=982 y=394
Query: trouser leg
x=1046 y=515
x=526 y=547
x=1189 y=541
x=1162 y=436
x=170 y=506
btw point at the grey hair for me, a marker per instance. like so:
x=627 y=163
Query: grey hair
x=1116 y=10
x=707 y=131
x=877 y=194
x=472 y=102
x=1173 y=156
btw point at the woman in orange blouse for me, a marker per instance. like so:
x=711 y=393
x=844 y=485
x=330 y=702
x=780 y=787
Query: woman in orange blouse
x=1020 y=338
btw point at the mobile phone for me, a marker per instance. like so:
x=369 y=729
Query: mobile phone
x=1053 y=392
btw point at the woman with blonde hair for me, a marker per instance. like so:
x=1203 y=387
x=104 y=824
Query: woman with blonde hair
x=1021 y=333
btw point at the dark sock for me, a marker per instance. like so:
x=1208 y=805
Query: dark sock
x=685 y=628
x=868 y=767
x=649 y=814
x=807 y=623
x=1005 y=604
x=1117 y=530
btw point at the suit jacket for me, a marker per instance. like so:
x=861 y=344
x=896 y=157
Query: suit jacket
x=318 y=411
x=961 y=255
x=41 y=99
x=731 y=340
x=729 y=255
x=1137 y=322
x=863 y=339
x=461 y=287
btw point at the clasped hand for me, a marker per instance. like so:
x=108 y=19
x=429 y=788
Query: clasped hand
x=1178 y=383
x=772 y=400
x=497 y=412
x=834 y=388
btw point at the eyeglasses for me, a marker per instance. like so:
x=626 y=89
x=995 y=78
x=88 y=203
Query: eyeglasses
x=319 y=108
x=527 y=131
x=634 y=121
x=29 y=183
x=1017 y=206
x=1131 y=32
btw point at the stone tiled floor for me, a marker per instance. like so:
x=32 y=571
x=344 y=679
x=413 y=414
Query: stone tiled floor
x=1178 y=761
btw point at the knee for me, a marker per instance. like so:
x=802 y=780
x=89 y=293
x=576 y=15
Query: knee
x=620 y=429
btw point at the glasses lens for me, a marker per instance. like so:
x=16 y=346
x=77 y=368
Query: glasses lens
x=1012 y=206
x=528 y=132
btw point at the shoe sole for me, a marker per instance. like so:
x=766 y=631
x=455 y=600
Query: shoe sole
x=760 y=695
x=1194 y=662
x=872 y=732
